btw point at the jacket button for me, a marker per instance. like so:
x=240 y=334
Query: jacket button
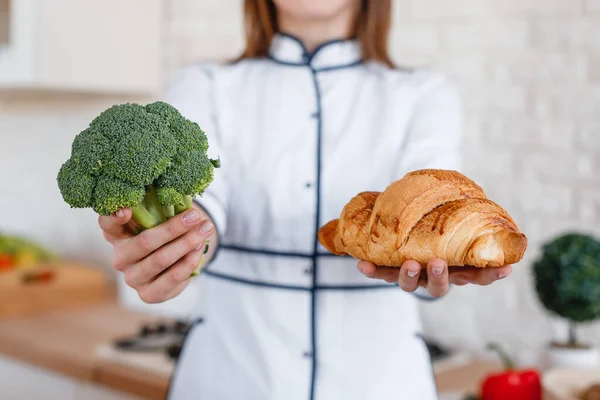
x=315 y=115
x=307 y=354
x=308 y=185
x=308 y=271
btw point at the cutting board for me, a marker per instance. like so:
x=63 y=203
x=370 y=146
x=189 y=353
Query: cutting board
x=45 y=287
x=151 y=362
x=568 y=384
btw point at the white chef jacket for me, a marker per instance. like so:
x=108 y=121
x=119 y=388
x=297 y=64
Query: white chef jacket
x=299 y=135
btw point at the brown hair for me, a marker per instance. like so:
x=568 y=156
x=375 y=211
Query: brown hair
x=371 y=28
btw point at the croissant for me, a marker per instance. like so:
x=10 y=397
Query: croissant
x=426 y=214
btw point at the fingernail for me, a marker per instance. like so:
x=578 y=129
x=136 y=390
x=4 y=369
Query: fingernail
x=501 y=275
x=412 y=274
x=120 y=214
x=362 y=271
x=191 y=216
x=205 y=227
x=437 y=270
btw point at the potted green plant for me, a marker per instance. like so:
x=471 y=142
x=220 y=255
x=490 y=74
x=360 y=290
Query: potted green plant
x=567 y=282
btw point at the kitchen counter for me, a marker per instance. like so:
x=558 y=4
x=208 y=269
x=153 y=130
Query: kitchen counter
x=66 y=342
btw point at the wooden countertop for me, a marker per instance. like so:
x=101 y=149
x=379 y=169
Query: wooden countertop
x=65 y=342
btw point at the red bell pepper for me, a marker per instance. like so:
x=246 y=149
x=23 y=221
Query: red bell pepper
x=6 y=261
x=511 y=384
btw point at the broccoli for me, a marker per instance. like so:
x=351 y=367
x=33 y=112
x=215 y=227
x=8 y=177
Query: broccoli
x=147 y=158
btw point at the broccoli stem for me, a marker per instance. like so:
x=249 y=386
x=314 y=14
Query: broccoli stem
x=153 y=205
x=179 y=208
x=185 y=205
x=168 y=211
x=149 y=213
x=143 y=217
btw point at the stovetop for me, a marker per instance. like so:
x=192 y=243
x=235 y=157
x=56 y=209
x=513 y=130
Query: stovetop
x=166 y=337
x=157 y=346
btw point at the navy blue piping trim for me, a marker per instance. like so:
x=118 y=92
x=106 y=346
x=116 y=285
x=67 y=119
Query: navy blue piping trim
x=294 y=38
x=255 y=283
x=266 y=252
x=275 y=253
x=291 y=254
x=317 y=70
x=315 y=264
x=289 y=64
x=319 y=47
x=335 y=68
x=323 y=45
x=308 y=57
x=251 y=282
x=356 y=287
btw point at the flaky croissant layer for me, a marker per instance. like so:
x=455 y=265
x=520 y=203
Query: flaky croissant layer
x=426 y=214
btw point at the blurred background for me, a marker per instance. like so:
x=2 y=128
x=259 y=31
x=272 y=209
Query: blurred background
x=529 y=75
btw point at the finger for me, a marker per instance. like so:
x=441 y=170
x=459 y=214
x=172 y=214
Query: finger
x=487 y=276
x=114 y=225
x=370 y=270
x=172 y=279
x=479 y=276
x=461 y=276
x=408 y=279
x=437 y=277
x=114 y=239
x=146 y=270
x=140 y=246
x=111 y=238
x=366 y=268
x=177 y=291
x=460 y=282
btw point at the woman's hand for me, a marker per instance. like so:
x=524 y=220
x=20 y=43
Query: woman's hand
x=436 y=278
x=157 y=262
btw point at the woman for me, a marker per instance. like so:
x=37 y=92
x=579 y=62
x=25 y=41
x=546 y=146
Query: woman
x=313 y=113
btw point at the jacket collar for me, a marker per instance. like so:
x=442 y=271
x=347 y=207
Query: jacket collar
x=287 y=49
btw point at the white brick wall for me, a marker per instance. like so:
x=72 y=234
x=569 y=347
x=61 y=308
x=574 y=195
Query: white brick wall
x=565 y=34
x=486 y=36
x=529 y=74
x=538 y=8
x=593 y=6
x=589 y=135
x=418 y=10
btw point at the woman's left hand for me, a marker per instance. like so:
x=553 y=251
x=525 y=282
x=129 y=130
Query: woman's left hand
x=436 y=278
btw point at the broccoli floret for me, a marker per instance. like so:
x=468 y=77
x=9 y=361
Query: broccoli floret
x=188 y=134
x=111 y=194
x=91 y=149
x=76 y=186
x=119 y=121
x=142 y=156
x=142 y=143
x=147 y=158
x=191 y=173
